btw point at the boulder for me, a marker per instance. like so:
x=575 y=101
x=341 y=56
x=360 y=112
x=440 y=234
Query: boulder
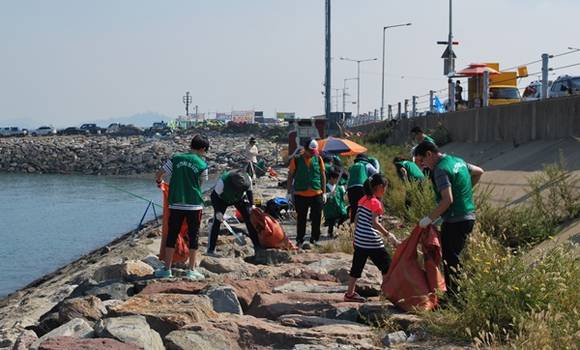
x=224 y=299
x=77 y=328
x=154 y=262
x=228 y=265
x=68 y=343
x=128 y=270
x=199 y=340
x=105 y=290
x=130 y=330
x=270 y=257
x=25 y=340
x=306 y=286
x=167 y=312
x=274 y=305
x=376 y=312
x=47 y=323
x=302 y=321
x=177 y=287
x=395 y=338
x=89 y=308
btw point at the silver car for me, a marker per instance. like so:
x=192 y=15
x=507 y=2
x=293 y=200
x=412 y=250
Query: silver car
x=565 y=85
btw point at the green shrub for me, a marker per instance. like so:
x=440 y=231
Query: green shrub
x=503 y=301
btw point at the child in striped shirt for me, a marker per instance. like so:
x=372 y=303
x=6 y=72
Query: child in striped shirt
x=368 y=242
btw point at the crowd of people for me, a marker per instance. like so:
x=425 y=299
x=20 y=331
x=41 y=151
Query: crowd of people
x=317 y=184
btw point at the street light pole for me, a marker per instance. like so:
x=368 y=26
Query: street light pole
x=344 y=94
x=358 y=62
x=383 y=74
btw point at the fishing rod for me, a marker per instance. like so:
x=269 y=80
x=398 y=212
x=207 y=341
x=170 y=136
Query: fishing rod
x=134 y=195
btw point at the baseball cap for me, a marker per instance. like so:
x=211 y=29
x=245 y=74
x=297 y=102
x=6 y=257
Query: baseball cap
x=313 y=146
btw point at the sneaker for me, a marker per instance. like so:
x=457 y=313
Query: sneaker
x=306 y=246
x=163 y=273
x=316 y=244
x=194 y=275
x=354 y=297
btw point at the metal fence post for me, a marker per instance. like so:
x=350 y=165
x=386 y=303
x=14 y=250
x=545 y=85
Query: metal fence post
x=545 y=61
x=431 y=99
x=398 y=110
x=406 y=108
x=414 y=107
x=390 y=111
x=486 y=88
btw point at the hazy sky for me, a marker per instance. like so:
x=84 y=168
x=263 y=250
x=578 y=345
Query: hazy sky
x=66 y=61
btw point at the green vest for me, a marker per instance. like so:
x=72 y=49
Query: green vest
x=460 y=178
x=413 y=171
x=335 y=206
x=307 y=177
x=430 y=139
x=357 y=174
x=185 y=184
x=230 y=195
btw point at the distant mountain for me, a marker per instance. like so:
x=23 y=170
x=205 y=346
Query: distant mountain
x=141 y=119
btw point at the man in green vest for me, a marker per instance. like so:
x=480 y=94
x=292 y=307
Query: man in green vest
x=408 y=170
x=232 y=188
x=358 y=173
x=307 y=183
x=453 y=181
x=419 y=136
x=185 y=173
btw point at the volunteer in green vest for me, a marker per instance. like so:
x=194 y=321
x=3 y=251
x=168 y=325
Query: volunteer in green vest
x=453 y=180
x=307 y=183
x=408 y=170
x=358 y=173
x=419 y=136
x=185 y=173
x=232 y=188
x=335 y=212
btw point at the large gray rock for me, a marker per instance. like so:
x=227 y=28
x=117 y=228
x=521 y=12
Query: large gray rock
x=306 y=286
x=270 y=257
x=25 y=340
x=69 y=343
x=395 y=338
x=224 y=299
x=104 y=290
x=77 y=328
x=131 y=330
x=199 y=340
x=90 y=308
x=126 y=271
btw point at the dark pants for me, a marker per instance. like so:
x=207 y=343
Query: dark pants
x=302 y=204
x=176 y=218
x=379 y=257
x=334 y=222
x=354 y=195
x=453 y=238
x=219 y=206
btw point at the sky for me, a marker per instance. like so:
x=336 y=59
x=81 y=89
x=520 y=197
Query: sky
x=63 y=62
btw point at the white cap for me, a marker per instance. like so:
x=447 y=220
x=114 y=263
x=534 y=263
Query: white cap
x=313 y=145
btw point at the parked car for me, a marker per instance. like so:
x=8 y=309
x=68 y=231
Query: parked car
x=160 y=128
x=123 y=130
x=44 y=131
x=533 y=92
x=565 y=85
x=12 y=131
x=113 y=128
x=73 y=130
x=503 y=95
x=92 y=128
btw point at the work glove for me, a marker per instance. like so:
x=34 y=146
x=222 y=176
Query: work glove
x=424 y=222
x=324 y=198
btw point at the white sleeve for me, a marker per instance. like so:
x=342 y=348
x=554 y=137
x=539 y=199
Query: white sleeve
x=371 y=170
x=219 y=187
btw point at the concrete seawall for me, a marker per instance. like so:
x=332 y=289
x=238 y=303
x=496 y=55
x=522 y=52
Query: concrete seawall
x=518 y=123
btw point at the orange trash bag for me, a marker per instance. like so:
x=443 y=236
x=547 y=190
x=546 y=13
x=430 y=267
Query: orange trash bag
x=181 y=253
x=270 y=233
x=409 y=284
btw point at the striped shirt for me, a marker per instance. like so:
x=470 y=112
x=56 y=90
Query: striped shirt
x=365 y=236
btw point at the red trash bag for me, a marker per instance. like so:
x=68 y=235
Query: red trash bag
x=181 y=253
x=409 y=285
x=270 y=233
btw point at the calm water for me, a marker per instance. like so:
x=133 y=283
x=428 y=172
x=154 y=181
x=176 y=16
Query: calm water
x=47 y=221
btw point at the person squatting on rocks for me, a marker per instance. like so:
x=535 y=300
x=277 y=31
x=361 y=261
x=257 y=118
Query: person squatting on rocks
x=185 y=173
x=419 y=136
x=335 y=212
x=453 y=180
x=367 y=235
x=232 y=188
x=252 y=157
x=358 y=173
x=307 y=181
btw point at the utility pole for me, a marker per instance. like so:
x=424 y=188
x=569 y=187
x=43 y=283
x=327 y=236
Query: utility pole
x=187 y=100
x=545 y=61
x=327 y=61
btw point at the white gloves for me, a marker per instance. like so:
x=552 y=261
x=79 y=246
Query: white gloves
x=325 y=198
x=426 y=221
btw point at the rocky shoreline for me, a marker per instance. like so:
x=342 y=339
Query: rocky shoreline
x=109 y=299
x=104 y=155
